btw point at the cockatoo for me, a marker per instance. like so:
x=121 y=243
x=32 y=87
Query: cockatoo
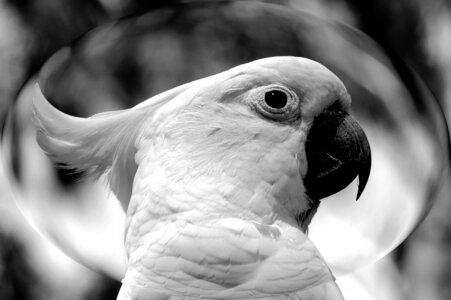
x=221 y=177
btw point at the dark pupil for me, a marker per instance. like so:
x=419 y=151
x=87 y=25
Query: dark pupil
x=276 y=99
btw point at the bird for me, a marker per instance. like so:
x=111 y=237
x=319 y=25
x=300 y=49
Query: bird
x=220 y=178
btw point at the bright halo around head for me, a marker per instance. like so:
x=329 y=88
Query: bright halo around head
x=119 y=65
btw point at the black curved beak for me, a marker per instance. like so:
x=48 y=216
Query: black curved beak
x=337 y=152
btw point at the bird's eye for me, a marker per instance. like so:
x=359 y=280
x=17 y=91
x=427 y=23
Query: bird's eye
x=275 y=102
x=276 y=99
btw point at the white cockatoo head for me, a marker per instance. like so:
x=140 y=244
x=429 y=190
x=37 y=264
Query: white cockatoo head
x=279 y=126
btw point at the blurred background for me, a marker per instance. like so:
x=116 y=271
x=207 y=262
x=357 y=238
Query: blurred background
x=31 y=31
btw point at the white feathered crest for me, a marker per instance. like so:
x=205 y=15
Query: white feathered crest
x=102 y=143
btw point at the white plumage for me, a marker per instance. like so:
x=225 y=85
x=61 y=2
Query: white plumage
x=211 y=174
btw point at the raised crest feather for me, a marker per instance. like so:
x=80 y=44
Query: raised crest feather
x=103 y=143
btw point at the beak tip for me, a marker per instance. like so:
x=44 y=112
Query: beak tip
x=363 y=177
x=360 y=191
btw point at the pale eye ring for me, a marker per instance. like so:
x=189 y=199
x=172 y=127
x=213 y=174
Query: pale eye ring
x=276 y=102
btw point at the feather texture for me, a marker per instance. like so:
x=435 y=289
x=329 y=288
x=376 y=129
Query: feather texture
x=102 y=143
x=212 y=181
x=227 y=259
